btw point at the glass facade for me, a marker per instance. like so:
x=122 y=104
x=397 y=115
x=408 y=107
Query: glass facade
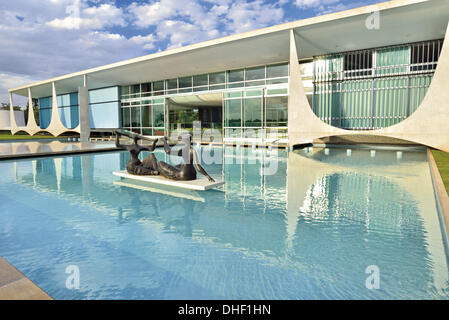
x=242 y=109
x=358 y=90
x=103 y=105
x=104 y=108
x=145 y=116
x=256 y=114
x=68 y=110
x=373 y=88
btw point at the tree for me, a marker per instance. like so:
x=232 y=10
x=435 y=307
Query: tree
x=35 y=111
x=5 y=106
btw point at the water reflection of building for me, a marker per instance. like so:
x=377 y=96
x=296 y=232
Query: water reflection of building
x=312 y=214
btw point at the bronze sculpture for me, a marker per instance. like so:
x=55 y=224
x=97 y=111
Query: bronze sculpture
x=150 y=166
x=147 y=167
x=187 y=170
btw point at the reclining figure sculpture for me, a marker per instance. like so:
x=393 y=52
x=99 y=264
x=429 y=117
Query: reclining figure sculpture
x=150 y=166
x=187 y=170
x=147 y=167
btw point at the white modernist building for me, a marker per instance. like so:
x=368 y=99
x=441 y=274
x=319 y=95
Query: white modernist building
x=380 y=70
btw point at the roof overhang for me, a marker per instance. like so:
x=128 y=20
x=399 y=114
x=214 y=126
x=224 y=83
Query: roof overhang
x=401 y=21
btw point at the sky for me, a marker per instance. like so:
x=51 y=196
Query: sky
x=41 y=39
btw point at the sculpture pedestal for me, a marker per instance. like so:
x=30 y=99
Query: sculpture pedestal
x=198 y=184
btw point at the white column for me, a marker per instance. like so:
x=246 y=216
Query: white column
x=31 y=125
x=12 y=118
x=84 y=112
x=56 y=127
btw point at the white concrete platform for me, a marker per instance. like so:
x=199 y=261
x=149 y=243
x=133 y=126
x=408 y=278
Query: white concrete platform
x=167 y=190
x=198 y=184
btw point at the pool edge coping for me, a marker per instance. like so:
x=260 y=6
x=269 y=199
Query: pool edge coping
x=441 y=196
x=56 y=153
x=18 y=286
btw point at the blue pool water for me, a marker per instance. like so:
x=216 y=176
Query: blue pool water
x=298 y=225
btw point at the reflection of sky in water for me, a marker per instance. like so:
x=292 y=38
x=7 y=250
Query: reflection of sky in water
x=308 y=231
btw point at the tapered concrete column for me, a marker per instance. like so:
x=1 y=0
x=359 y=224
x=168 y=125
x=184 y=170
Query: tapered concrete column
x=12 y=118
x=31 y=126
x=303 y=124
x=84 y=112
x=428 y=125
x=56 y=127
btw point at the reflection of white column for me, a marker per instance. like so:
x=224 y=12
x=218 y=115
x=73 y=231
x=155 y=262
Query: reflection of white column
x=15 y=171
x=58 y=167
x=34 y=165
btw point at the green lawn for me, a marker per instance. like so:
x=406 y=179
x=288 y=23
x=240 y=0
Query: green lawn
x=442 y=161
x=7 y=136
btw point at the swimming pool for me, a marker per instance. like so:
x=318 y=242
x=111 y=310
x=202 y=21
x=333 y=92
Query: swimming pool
x=296 y=225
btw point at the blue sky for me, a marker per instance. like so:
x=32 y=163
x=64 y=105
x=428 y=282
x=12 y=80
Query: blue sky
x=46 y=38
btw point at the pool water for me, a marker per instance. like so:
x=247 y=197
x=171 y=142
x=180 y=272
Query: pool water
x=297 y=225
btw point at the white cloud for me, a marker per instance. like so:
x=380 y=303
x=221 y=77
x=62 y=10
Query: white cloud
x=46 y=38
x=151 y=14
x=188 y=21
x=314 y=3
x=180 y=33
x=105 y=15
x=147 y=41
x=8 y=81
x=245 y=16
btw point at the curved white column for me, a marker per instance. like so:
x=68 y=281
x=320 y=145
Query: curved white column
x=31 y=127
x=12 y=118
x=55 y=127
x=428 y=125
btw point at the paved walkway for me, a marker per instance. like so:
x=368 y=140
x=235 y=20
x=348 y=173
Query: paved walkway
x=15 y=286
x=14 y=150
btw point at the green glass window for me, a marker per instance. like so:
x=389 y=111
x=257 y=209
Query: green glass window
x=217 y=78
x=277 y=81
x=276 y=91
x=158 y=115
x=253 y=93
x=158 y=86
x=254 y=83
x=276 y=111
x=147 y=131
x=185 y=82
x=252 y=112
x=234 y=94
x=235 y=75
x=235 y=85
x=135 y=117
x=255 y=73
x=171 y=84
x=217 y=87
x=158 y=101
x=124 y=90
x=146 y=116
x=233 y=115
x=146 y=87
x=200 y=80
x=392 y=60
x=277 y=70
x=126 y=118
x=135 y=88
